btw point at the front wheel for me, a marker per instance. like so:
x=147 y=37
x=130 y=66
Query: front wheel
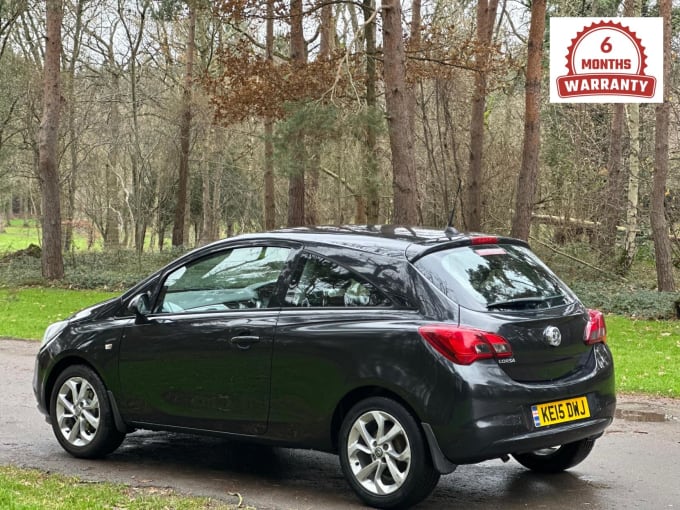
x=556 y=459
x=81 y=415
x=384 y=456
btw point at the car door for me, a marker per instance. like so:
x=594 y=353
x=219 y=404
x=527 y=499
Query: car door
x=202 y=358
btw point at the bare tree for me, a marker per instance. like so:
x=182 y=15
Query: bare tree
x=632 y=8
x=296 y=183
x=612 y=205
x=185 y=134
x=662 y=244
x=368 y=207
x=398 y=119
x=52 y=260
x=9 y=14
x=528 y=173
x=269 y=196
x=74 y=138
x=472 y=213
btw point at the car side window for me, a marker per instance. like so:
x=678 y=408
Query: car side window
x=232 y=279
x=322 y=283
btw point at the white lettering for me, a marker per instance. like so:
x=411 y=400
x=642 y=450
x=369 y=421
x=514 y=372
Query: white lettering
x=606 y=85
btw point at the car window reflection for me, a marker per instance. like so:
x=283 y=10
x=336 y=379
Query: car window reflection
x=323 y=283
x=239 y=278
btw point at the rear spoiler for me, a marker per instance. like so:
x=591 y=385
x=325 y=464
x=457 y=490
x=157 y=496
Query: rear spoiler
x=415 y=251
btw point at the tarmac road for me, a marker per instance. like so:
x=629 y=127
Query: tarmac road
x=636 y=464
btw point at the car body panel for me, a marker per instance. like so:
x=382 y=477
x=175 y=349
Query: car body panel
x=206 y=379
x=85 y=340
x=496 y=410
x=320 y=356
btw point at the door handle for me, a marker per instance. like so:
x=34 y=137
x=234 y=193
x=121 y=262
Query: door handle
x=244 y=341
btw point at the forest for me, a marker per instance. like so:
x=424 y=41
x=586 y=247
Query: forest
x=145 y=125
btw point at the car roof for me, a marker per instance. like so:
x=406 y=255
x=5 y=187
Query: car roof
x=389 y=240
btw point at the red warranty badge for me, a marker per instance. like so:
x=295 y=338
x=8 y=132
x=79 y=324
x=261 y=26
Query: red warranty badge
x=606 y=58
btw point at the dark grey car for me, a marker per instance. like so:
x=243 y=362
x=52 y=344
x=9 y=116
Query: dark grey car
x=406 y=351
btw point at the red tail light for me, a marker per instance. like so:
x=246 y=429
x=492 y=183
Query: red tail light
x=596 y=330
x=484 y=240
x=465 y=345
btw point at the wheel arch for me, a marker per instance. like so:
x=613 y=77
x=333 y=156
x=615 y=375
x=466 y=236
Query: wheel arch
x=357 y=395
x=58 y=368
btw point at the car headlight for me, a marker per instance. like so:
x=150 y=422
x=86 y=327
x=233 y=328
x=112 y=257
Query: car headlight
x=53 y=331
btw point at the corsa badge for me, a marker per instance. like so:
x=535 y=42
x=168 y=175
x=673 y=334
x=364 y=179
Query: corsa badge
x=610 y=60
x=552 y=336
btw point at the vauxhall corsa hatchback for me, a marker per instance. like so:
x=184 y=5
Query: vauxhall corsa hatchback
x=406 y=351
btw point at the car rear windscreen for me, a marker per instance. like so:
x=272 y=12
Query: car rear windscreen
x=494 y=277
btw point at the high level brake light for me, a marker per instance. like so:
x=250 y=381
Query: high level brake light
x=596 y=330
x=465 y=345
x=483 y=240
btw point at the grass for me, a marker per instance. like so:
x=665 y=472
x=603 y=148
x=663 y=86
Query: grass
x=111 y=269
x=646 y=355
x=24 y=489
x=25 y=313
x=19 y=234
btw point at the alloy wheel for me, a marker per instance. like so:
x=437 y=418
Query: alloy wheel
x=379 y=452
x=78 y=411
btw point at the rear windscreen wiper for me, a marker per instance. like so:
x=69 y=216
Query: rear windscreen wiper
x=522 y=302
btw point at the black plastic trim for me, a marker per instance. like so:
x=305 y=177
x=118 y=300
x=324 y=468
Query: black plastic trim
x=441 y=463
x=117 y=418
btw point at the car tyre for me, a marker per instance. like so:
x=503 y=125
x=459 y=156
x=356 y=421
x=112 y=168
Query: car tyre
x=81 y=415
x=384 y=455
x=557 y=459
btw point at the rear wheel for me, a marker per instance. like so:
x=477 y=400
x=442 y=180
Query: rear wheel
x=384 y=456
x=81 y=414
x=556 y=459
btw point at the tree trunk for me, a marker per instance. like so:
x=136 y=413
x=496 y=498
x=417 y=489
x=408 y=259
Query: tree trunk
x=632 y=9
x=206 y=227
x=368 y=208
x=269 y=191
x=52 y=259
x=185 y=135
x=662 y=244
x=73 y=134
x=414 y=47
x=269 y=188
x=112 y=222
x=312 y=190
x=528 y=173
x=72 y=180
x=296 y=199
x=472 y=214
x=629 y=244
x=138 y=208
x=326 y=48
x=327 y=32
x=398 y=120
x=613 y=197
x=296 y=183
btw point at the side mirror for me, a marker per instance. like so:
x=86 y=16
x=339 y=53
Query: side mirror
x=140 y=305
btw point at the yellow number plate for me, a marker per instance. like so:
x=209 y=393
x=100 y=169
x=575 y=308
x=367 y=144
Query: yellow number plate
x=560 y=411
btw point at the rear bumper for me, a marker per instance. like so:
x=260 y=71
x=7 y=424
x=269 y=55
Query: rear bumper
x=494 y=418
x=545 y=438
x=486 y=441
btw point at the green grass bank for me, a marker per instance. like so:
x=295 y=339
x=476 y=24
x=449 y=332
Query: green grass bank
x=27 y=489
